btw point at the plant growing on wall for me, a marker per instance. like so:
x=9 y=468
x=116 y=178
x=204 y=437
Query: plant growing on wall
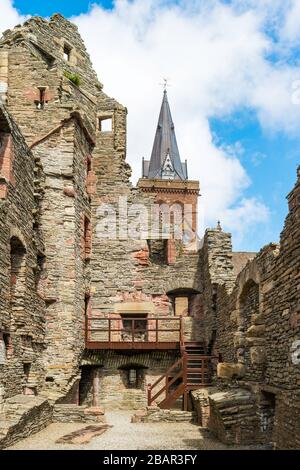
x=73 y=77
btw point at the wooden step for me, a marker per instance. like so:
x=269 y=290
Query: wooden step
x=195 y=364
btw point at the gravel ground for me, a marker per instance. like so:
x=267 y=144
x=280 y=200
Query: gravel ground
x=127 y=436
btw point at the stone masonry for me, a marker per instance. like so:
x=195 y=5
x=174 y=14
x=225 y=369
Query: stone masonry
x=60 y=278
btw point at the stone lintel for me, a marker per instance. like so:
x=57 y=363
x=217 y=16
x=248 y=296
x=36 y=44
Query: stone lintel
x=134 y=307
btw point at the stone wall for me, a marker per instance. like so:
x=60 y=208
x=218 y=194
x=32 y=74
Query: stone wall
x=58 y=120
x=233 y=418
x=36 y=60
x=200 y=400
x=84 y=167
x=215 y=259
x=153 y=414
x=77 y=414
x=65 y=208
x=22 y=318
x=24 y=415
x=258 y=328
x=56 y=269
x=114 y=391
x=122 y=269
x=76 y=168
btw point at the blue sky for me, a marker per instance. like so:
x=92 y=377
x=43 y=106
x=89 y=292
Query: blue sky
x=232 y=65
x=65 y=7
x=270 y=160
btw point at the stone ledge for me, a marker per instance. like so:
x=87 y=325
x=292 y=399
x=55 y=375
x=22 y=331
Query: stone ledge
x=154 y=414
x=233 y=418
x=68 y=413
x=23 y=415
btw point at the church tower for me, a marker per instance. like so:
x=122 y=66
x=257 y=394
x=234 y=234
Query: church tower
x=166 y=177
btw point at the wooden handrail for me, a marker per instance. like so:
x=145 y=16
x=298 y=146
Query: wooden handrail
x=167 y=386
x=176 y=377
x=176 y=364
x=153 y=327
x=192 y=377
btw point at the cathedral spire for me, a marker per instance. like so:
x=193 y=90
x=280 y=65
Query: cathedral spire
x=165 y=162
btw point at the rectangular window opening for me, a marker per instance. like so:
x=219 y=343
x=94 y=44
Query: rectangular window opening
x=41 y=101
x=67 y=53
x=105 y=124
x=134 y=327
x=26 y=369
x=89 y=163
x=133 y=378
x=181 y=306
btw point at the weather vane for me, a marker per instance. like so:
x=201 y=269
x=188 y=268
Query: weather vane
x=165 y=84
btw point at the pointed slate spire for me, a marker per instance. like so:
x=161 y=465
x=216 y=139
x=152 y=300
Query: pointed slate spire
x=165 y=162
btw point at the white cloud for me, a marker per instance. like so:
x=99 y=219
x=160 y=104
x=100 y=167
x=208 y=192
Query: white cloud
x=291 y=30
x=216 y=58
x=9 y=17
x=247 y=213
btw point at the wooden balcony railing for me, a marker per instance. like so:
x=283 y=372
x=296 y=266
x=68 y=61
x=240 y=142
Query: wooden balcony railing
x=133 y=333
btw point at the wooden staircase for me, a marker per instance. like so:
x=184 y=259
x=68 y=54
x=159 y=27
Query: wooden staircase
x=190 y=372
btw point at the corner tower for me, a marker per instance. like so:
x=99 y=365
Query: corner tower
x=165 y=176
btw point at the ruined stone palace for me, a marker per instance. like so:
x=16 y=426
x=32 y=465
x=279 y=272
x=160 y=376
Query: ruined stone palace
x=89 y=322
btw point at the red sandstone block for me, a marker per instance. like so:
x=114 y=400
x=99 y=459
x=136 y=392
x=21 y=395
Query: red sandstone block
x=3 y=191
x=294 y=320
x=70 y=192
x=142 y=257
x=91 y=177
x=171 y=252
x=32 y=94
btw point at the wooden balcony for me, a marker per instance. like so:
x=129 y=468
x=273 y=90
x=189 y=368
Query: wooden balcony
x=152 y=333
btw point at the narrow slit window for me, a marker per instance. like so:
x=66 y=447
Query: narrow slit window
x=87 y=239
x=133 y=378
x=67 y=53
x=41 y=101
x=88 y=164
x=26 y=370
